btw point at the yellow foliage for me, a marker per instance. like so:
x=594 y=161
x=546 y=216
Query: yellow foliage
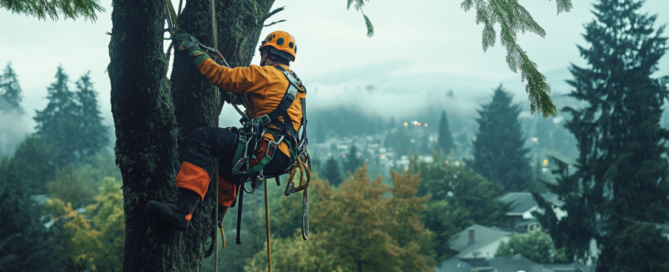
x=364 y=225
x=99 y=233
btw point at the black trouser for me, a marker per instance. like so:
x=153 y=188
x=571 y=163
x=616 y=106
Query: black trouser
x=207 y=143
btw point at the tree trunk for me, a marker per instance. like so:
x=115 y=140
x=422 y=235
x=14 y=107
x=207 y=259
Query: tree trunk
x=153 y=117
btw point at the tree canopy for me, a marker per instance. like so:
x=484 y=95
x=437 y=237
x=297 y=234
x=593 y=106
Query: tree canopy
x=621 y=180
x=52 y=9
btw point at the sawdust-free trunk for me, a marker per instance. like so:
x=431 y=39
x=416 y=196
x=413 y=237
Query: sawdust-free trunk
x=153 y=116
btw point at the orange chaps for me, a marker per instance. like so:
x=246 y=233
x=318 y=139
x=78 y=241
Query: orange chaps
x=207 y=143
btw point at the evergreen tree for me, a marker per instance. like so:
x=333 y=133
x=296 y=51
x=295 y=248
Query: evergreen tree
x=10 y=92
x=331 y=172
x=618 y=193
x=22 y=232
x=445 y=139
x=36 y=161
x=352 y=162
x=499 y=152
x=58 y=124
x=92 y=135
x=459 y=198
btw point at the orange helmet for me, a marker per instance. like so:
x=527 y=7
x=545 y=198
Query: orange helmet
x=280 y=43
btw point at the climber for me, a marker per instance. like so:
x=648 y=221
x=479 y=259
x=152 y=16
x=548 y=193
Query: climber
x=268 y=97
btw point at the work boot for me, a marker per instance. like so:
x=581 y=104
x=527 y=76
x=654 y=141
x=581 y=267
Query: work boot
x=179 y=214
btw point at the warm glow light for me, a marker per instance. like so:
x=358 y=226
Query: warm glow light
x=383 y=156
x=419 y=124
x=534 y=139
x=425 y=124
x=545 y=162
x=446 y=162
x=343 y=156
x=405 y=124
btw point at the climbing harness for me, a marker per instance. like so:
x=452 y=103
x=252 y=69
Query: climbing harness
x=251 y=136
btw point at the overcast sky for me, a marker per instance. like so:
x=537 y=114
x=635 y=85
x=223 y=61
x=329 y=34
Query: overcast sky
x=419 y=45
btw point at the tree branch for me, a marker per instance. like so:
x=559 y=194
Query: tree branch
x=275 y=22
x=271 y=13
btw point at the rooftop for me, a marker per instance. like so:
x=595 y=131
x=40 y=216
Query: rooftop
x=483 y=236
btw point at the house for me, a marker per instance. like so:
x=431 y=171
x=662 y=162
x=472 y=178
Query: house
x=507 y=264
x=523 y=204
x=478 y=242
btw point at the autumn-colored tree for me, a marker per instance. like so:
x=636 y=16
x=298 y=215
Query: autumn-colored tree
x=364 y=225
x=101 y=238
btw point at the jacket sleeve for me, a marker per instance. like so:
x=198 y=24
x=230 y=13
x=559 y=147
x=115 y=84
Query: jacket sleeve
x=234 y=80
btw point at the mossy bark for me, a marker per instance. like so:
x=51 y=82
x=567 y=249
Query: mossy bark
x=153 y=117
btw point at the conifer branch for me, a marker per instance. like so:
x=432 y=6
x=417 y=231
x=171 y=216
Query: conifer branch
x=52 y=8
x=514 y=18
x=358 y=4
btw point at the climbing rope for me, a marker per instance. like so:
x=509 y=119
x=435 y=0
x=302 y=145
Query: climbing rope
x=269 y=245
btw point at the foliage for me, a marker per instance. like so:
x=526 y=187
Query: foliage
x=294 y=254
x=622 y=176
x=499 y=153
x=36 y=162
x=366 y=230
x=459 y=198
x=639 y=248
x=361 y=226
x=10 y=92
x=352 y=162
x=101 y=238
x=512 y=18
x=399 y=140
x=331 y=171
x=24 y=244
x=57 y=123
x=70 y=187
x=53 y=8
x=445 y=139
x=71 y=122
x=92 y=135
x=536 y=246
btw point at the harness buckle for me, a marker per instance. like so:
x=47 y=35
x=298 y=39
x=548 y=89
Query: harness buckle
x=239 y=164
x=263 y=119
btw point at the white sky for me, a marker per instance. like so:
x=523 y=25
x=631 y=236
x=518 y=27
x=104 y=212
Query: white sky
x=427 y=44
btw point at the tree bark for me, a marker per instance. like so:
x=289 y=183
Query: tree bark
x=153 y=117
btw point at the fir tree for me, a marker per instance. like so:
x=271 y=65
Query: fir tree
x=499 y=152
x=22 y=229
x=93 y=135
x=618 y=193
x=331 y=171
x=352 y=162
x=58 y=124
x=10 y=92
x=445 y=139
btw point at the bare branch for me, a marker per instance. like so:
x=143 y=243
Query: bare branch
x=271 y=13
x=276 y=22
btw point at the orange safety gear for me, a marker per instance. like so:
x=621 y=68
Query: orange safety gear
x=281 y=41
x=264 y=86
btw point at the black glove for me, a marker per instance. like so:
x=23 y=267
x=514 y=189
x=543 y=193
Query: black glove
x=188 y=44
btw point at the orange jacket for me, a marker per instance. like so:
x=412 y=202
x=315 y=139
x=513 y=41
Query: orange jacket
x=265 y=84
